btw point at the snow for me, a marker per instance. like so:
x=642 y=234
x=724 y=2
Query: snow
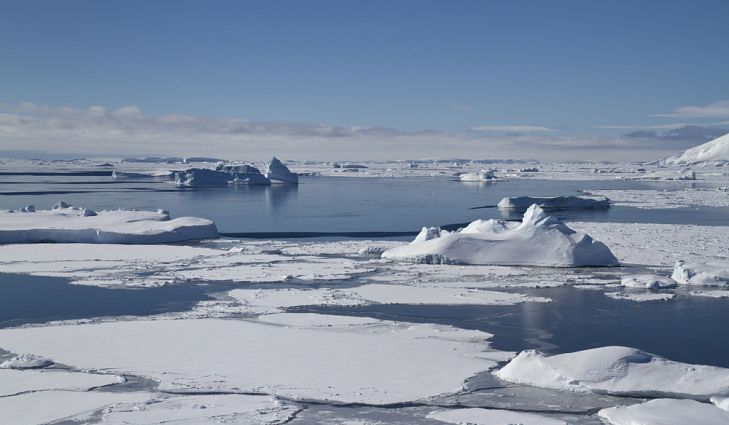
x=379 y=363
x=701 y=274
x=721 y=402
x=713 y=151
x=539 y=240
x=640 y=296
x=481 y=176
x=648 y=281
x=39 y=408
x=665 y=412
x=618 y=371
x=554 y=203
x=478 y=416
x=277 y=172
x=231 y=409
x=26 y=361
x=66 y=224
x=14 y=381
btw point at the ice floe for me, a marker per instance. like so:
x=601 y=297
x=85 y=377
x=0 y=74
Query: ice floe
x=478 y=416
x=648 y=281
x=481 y=176
x=277 y=172
x=554 y=203
x=665 y=412
x=539 y=240
x=701 y=274
x=616 y=370
x=378 y=363
x=66 y=224
x=640 y=296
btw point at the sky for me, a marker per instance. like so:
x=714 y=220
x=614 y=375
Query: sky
x=371 y=79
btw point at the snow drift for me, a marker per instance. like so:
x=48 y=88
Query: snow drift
x=539 y=240
x=554 y=203
x=66 y=224
x=616 y=370
x=714 y=151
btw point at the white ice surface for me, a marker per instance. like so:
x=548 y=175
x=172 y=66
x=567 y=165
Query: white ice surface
x=117 y=227
x=658 y=198
x=711 y=294
x=668 y=174
x=640 y=296
x=554 y=203
x=616 y=370
x=648 y=281
x=383 y=362
x=701 y=274
x=665 y=411
x=539 y=239
x=716 y=150
x=13 y=381
x=477 y=416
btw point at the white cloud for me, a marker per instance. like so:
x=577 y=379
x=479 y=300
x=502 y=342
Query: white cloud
x=641 y=127
x=512 y=128
x=713 y=110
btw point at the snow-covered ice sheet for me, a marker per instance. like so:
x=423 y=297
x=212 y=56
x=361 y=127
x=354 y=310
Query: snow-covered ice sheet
x=72 y=225
x=616 y=370
x=13 y=381
x=477 y=416
x=539 y=240
x=382 y=362
x=665 y=411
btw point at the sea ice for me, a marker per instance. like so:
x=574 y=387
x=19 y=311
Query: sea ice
x=648 y=281
x=65 y=224
x=701 y=274
x=26 y=361
x=640 y=296
x=14 y=381
x=554 y=203
x=277 y=172
x=481 y=176
x=378 y=363
x=618 y=371
x=477 y=416
x=539 y=240
x=665 y=411
x=222 y=176
x=669 y=174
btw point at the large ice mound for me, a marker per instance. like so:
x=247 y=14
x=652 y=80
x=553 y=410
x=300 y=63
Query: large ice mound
x=221 y=176
x=714 y=151
x=616 y=370
x=277 y=172
x=539 y=240
x=66 y=224
x=554 y=203
x=701 y=274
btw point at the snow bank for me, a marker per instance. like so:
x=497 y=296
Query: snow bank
x=481 y=176
x=65 y=224
x=713 y=151
x=555 y=203
x=665 y=412
x=618 y=371
x=277 y=172
x=539 y=240
x=379 y=363
x=648 y=281
x=478 y=416
x=701 y=274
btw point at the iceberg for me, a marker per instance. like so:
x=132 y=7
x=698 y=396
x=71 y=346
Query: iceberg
x=481 y=176
x=66 y=224
x=277 y=172
x=223 y=175
x=648 y=281
x=701 y=274
x=617 y=371
x=539 y=240
x=714 y=151
x=554 y=203
x=665 y=411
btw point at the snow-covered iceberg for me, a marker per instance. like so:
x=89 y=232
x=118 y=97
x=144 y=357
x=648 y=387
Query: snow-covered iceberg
x=277 y=172
x=616 y=370
x=221 y=176
x=712 y=152
x=701 y=274
x=539 y=240
x=66 y=224
x=481 y=176
x=554 y=203
x=665 y=411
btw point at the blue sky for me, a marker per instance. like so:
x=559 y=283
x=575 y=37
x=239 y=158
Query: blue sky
x=447 y=66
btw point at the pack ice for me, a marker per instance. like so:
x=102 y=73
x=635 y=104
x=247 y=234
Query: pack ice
x=618 y=371
x=554 y=203
x=66 y=224
x=539 y=240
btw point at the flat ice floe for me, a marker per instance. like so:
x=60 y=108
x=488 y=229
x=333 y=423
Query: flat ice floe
x=617 y=371
x=539 y=240
x=377 y=363
x=14 y=381
x=65 y=224
x=477 y=416
x=701 y=274
x=648 y=281
x=640 y=296
x=554 y=203
x=665 y=411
